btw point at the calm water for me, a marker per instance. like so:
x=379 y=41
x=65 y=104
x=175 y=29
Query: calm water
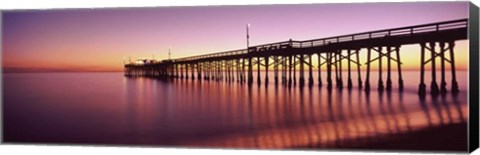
x=108 y=108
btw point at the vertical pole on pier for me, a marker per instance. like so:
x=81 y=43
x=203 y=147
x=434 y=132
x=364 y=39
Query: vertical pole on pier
x=329 y=70
x=358 y=69
x=258 y=70
x=433 y=86
x=389 y=59
x=319 y=70
x=399 y=69
x=266 y=70
x=290 y=70
x=349 y=82
x=443 y=84
x=452 y=63
x=380 y=78
x=310 y=78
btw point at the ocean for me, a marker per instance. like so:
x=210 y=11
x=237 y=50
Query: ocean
x=111 y=109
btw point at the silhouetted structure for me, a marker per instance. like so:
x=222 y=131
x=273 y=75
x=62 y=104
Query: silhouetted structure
x=331 y=52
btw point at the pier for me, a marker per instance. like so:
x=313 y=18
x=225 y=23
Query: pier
x=285 y=57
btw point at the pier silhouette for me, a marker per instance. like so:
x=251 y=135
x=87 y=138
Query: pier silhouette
x=284 y=57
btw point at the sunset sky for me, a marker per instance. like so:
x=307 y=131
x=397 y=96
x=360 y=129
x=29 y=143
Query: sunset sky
x=99 y=39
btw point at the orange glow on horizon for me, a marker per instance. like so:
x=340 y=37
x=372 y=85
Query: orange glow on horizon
x=101 y=40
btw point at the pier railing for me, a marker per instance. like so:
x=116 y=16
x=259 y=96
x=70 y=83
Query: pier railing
x=402 y=31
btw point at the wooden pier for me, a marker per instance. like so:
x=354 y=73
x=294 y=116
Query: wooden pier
x=285 y=57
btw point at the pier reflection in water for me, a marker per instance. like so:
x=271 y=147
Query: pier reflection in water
x=107 y=108
x=232 y=115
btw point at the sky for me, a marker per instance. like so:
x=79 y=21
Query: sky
x=100 y=39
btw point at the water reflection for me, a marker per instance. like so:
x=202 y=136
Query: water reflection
x=143 y=111
x=308 y=117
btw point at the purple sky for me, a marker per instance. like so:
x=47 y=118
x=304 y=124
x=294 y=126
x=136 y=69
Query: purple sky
x=85 y=38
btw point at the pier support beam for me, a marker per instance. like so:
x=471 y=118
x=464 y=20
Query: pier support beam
x=399 y=69
x=443 y=83
x=239 y=70
x=284 y=70
x=380 y=78
x=452 y=68
x=266 y=69
x=275 y=68
x=339 y=72
x=181 y=71
x=294 y=71
x=433 y=87
x=193 y=71
x=242 y=74
x=319 y=69
x=349 y=82
x=186 y=71
x=329 y=70
x=250 y=71
x=389 y=69
x=258 y=71
x=422 y=88
x=358 y=69
x=302 y=70
x=290 y=70
x=367 y=78
x=310 y=74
